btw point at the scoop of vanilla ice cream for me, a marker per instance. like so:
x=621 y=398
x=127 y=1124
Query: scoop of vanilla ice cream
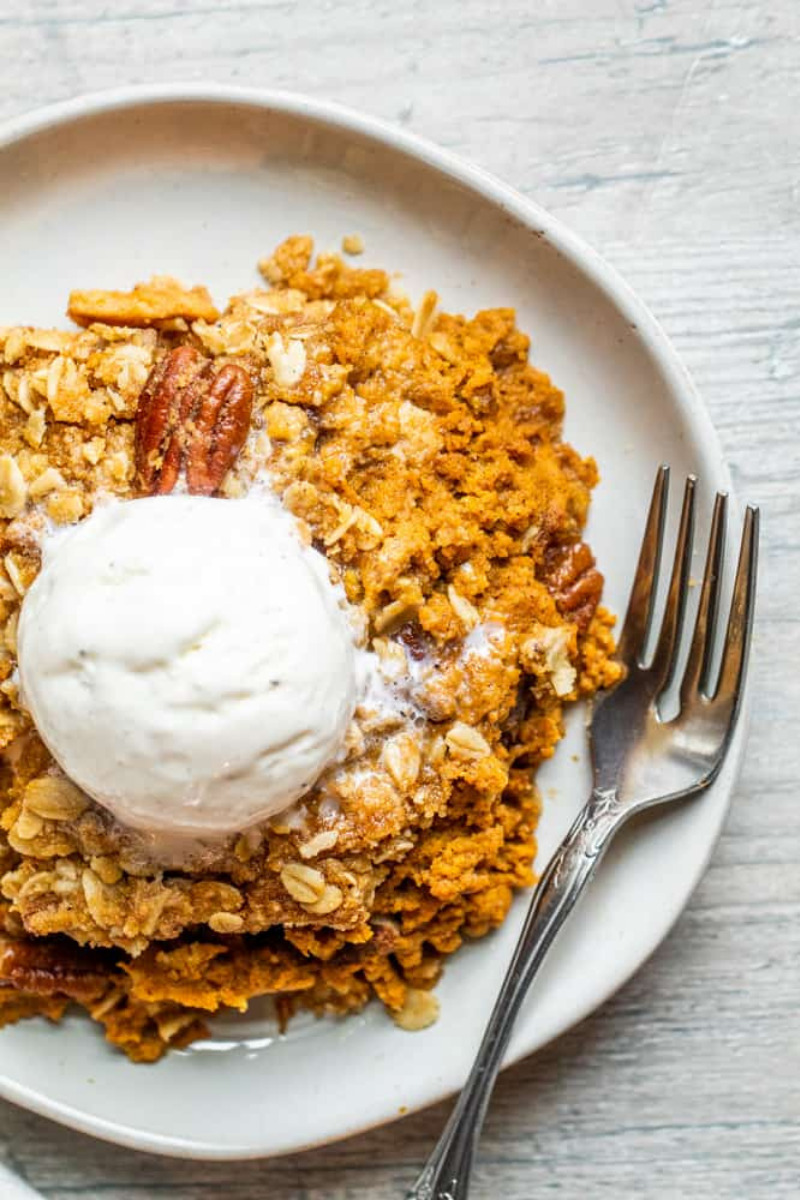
x=187 y=661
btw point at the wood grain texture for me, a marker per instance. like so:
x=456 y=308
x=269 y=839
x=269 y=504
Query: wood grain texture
x=667 y=133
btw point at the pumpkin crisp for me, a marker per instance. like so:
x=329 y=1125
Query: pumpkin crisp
x=421 y=452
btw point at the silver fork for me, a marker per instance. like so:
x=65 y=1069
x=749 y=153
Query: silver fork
x=640 y=757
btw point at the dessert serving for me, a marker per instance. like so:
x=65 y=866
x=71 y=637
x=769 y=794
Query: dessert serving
x=292 y=599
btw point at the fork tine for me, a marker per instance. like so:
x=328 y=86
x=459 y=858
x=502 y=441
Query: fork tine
x=669 y=639
x=696 y=673
x=639 y=616
x=740 y=622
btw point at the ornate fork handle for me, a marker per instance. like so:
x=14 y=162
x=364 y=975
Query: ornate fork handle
x=448 y=1171
x=689 y=751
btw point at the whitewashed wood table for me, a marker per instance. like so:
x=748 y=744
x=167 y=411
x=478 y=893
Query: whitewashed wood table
x=667 y=133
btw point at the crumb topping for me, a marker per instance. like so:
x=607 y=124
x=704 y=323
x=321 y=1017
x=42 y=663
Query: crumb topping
x=421 y=452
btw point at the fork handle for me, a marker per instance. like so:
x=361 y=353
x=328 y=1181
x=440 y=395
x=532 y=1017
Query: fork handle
x=447 y=1173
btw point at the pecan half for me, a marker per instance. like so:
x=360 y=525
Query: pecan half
x=573 y=581
x=54 y=969
x=189 y=413
x=164 y=406
x=221 y=423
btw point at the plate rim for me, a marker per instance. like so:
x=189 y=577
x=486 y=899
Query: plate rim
x=589 y=263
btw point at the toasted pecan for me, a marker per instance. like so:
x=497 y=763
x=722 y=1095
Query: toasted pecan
x=189 y=413
x=221 y=423
x=54 y=968
x=573 y=581
x=161 y=418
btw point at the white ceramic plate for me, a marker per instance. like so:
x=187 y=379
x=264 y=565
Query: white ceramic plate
x=200 y=182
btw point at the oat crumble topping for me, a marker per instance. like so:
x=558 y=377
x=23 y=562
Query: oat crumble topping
x=421 y=453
